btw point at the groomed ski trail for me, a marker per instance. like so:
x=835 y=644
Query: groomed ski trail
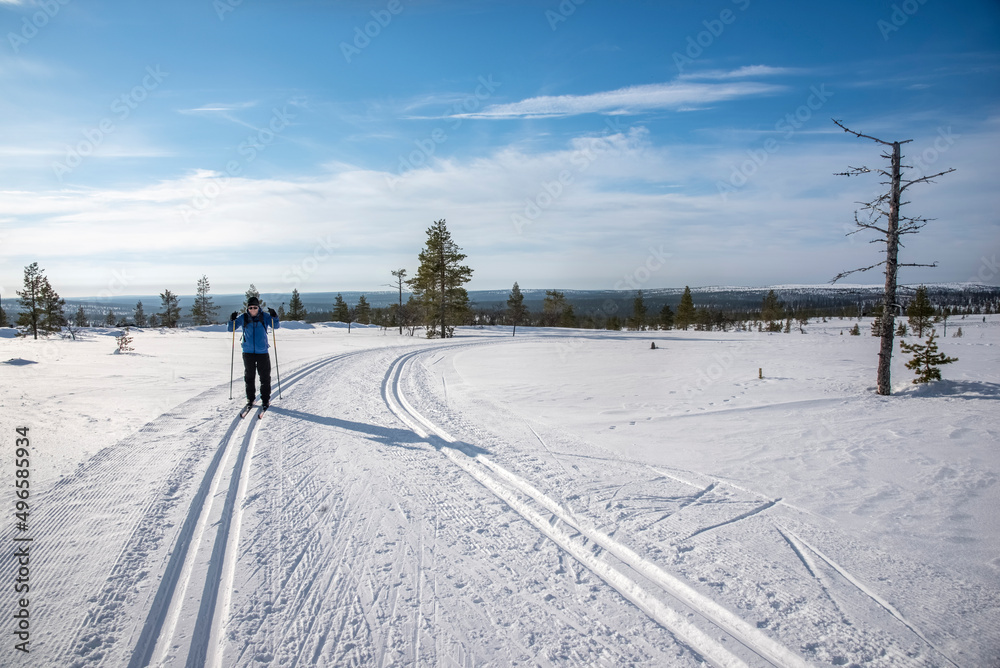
x=512 y=489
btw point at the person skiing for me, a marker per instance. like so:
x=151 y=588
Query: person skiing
x=255 y=358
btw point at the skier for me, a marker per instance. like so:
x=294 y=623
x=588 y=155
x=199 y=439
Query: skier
x=255 y=345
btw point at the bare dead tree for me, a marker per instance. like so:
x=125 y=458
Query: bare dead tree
x=882 y=215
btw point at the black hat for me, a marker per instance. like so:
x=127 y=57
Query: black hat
x=253 y=301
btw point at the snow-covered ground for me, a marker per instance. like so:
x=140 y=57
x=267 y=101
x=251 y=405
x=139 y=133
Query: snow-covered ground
x=562 y=497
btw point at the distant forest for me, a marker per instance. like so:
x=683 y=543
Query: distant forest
x=714 y=308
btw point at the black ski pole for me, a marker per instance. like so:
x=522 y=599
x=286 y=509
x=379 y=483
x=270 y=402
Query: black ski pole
x=277 y=369
x=232 y=362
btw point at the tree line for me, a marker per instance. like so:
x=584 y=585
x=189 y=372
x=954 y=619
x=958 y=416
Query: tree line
x=438 y=302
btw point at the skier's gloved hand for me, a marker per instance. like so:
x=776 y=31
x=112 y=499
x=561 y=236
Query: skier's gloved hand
x=272 y=313
x=233 y=316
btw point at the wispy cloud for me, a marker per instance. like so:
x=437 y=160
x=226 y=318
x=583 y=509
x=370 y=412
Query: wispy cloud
x=633 y=99
x=217 y=108
x=741 y=73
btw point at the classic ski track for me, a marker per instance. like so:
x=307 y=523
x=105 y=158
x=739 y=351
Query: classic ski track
x=798 y=543
x=512 y=489
x=180 y=565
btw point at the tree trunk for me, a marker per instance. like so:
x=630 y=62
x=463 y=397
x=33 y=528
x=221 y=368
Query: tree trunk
x=891 y=270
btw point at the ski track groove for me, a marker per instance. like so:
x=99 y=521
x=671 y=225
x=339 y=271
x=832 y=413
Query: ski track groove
x=738 y=518
x=324 y=611
x=105 y=606
x=509 y=487
x=888 y=607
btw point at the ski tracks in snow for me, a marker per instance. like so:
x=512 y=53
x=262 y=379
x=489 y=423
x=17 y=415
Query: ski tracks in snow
x=577 y=537
x=367 y=522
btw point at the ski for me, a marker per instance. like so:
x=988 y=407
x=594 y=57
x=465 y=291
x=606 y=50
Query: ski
x=246 y=409
x=260 y=415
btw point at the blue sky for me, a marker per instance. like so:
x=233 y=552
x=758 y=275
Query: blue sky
x=575 y=144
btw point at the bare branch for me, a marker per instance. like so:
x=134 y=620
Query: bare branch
x=917 y=265
x=853 y=171
x=858 y=134
x=854 y=271
x=924 y=179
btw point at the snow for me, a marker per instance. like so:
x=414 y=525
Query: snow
x=562 y=497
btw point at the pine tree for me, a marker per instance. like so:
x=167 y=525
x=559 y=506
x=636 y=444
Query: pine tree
x=32 y=302
x=296 y=310
x=771 y=311
x=140 y=315
x=638 y=320
x=926 y=359
x=110 y=319
x=203 y=311
x=252 y=292
x=685 y=311
x=568 y=318
x=919 y=312
x=437 y=286
x=80 y=319
x=124 y=341
x=516 y=310
x=171 y=314
x=363 y=311
x=553 y=308
x=3 y=316
x=54 y=318
x=666 y=317
x=341 y=312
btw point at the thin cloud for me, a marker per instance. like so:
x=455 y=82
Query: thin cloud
x=630 y=100
x=217 y=108
x=740 y=73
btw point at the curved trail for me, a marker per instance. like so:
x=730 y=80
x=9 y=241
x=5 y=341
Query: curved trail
x=383 y=515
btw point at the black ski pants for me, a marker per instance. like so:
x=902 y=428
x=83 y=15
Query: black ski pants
x=259 y=363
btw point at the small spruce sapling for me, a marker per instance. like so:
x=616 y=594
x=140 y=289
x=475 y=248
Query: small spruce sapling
x=926 y=359
x=124 y=341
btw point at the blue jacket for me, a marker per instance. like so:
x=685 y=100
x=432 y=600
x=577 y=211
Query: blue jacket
x=254 y=330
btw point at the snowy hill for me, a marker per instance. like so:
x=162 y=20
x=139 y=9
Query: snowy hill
x=562 y=497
